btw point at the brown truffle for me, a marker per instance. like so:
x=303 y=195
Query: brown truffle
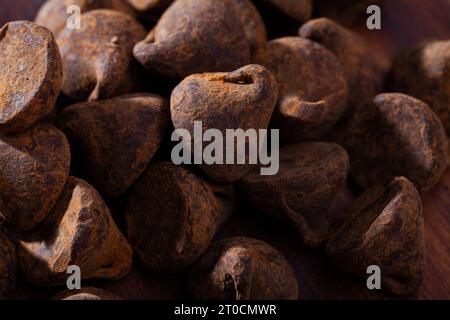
x=97 y=59
x=86 y=294
x=396 y=135
x=115 y=139
x=34 y=167
x=425 y=73
x=173 y=215
x=242 y=268
x=383 y=227
x=304 y=189
x=79 y=231
x=363 y=70
x=242 y=99
x=8 y=265
x=195 y=36
x=148 y=7
x=30 y=75
x=300 y=10
x=54 y=16
x=312 y=87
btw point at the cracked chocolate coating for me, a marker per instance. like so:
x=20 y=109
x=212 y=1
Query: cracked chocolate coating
x=53 y=13
x=383 y=227
x=8 y=265
x=304 y=189
x=97 y=59
x=241 y=268
x=312 y=87
x=396 y=135
x=242 y=99
x=361 y=67
x=181 y=213
x=195 y=36
x=85 y=294
x=34 y=167
x=115 y=139
x=30 y=75
x=78 y=231
x=424 y=72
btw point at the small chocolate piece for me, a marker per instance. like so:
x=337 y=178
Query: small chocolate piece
x=97 y=59
x=242 y=268
x=173 y=215
x=34 y=167
x=86 y=294
x=30 y=75
x=8 y=265
x=312 y=87
x=242 y=99
x=383 y=227
x=195 y=36
x=361 y=66
x=304 y=189
x=115 y=139
x=396 y=135
x=424 y=72
x=54 y=14
x=79 y=231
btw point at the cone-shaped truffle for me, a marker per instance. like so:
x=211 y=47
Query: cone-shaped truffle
x=242 y=99
x=312 y=87
x=115 y=139
x=30 y=75
x=34 y=167
x=362 y=69
x=396 y=135
x=54 y=14
x=424 y=72
x=195 y=36
x=79 y=231
x=242 y=268
x=304 y=189
x=173 y=215
x=383 y=227
x=97 y=59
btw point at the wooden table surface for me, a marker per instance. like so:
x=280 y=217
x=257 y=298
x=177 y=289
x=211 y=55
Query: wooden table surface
x=404 y=23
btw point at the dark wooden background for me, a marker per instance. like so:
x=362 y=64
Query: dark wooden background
x=404 y=23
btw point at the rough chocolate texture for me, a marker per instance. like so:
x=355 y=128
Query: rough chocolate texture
x=242 y=99
x=242 y=268
x=53 y=13
x=78 y=231
x=304 y=189
x=396 y=135
x=195 y=36
x=383 y=227
x=115 y=139
x=85 y=294
x=312 y=87
x=424 y=72
x=34 y=167
x=97 y=59
x=361 y=67
x=181 y=213
x=300 y=10
x=30 y=75
x=8 y=265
